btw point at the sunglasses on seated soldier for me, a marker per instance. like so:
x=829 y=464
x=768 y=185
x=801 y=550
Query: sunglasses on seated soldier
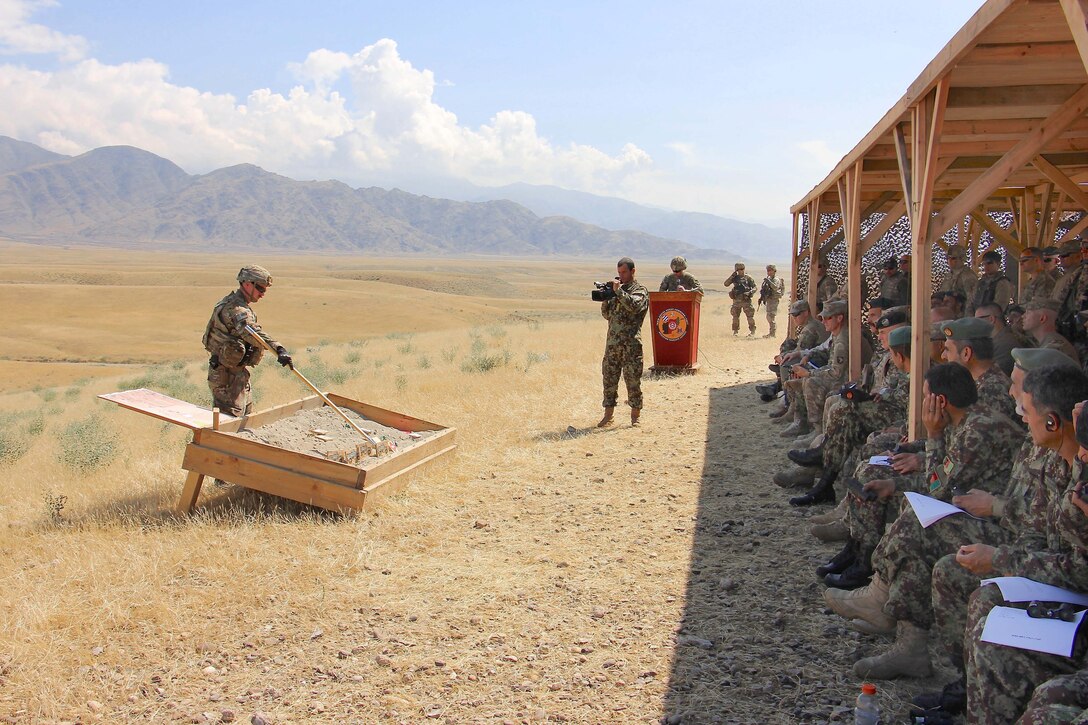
x=1047 y=610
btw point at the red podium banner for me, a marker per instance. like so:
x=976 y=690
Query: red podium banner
x=674 y=317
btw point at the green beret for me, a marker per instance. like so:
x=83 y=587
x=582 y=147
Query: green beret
x=833 y=307
x=1043 y=303
x=1033 y=358
x=1069 y=247
x=899 y=336
x=967 y=328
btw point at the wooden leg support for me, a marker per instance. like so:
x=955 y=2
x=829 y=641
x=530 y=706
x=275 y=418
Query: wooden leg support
x=190 y=493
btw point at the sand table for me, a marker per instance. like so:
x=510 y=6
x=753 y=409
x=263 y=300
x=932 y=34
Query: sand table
x=323 y=433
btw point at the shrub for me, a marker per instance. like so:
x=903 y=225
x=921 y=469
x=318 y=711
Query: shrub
x=424 y=362
x=449 y=354
x=86 y=444
x=480 y=363
x=534 y=358
x=352 y=357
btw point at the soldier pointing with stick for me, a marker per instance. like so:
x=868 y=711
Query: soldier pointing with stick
x=231 y=347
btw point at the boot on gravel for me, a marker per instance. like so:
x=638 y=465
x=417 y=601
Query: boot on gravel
x=830 y=532
x=865 y=603
x=908 y=657
x=607 y=419
x=796 y=477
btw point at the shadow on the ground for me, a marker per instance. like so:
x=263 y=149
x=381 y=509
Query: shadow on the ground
x=755 y=643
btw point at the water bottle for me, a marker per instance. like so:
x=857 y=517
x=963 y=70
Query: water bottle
x=866 y=711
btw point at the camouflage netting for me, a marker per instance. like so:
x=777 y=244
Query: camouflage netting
x=897 y=242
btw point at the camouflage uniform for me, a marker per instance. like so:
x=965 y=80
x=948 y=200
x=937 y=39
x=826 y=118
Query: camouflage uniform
x=1062 y=700
x=820 y=383
x=849 y=424
x=232 y=354
x=1021 y=512
x=741 y=294
x=1070 y=292
x=867 y=520
x=896 y=287
x=775 y=288
x=993 y=395
x=623 y=346
x=982 y=451
x=1000 y=680
x=1004 y=342
x=962 y=280
x=1054 y=341
x=995 y=288
x=671 y=282
x=1041 y=285
x=826 y=288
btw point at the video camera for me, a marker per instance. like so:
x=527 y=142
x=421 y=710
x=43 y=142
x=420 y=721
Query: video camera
x=854 y=394
x=603 y=291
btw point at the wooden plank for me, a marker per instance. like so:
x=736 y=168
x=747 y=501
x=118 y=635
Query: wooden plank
x=903 y=158
x=190 y=492
x=1043 y=226
x=1028 y=22
x=1073 y=232
x=406 y=456
x=261 y=476
x=1063 y=182
x=1024 y=151
x=1076 y=19
x=389 y=418
x=1002 y=236
x=305 y=463
x=163 y=407
x=813 y=251
x=398 y=480
x=264 y=417
x=851 y=201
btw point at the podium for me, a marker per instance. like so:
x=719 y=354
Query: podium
x=675 y=320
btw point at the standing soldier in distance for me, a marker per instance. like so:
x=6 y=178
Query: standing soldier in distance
x=623 y=346
x=679 y=280
x=770 y=293
x=960 y=278
x=232 y=350
x=741 y=294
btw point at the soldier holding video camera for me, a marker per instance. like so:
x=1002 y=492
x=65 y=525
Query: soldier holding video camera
x=625 y=303
x=743 y=287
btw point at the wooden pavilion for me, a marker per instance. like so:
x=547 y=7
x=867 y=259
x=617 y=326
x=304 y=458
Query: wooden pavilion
x=987 y=148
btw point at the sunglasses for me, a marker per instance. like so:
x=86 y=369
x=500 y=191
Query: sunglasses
x=260 y=288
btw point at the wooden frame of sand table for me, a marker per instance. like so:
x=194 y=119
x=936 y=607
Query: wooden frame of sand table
x=343 y=477
x=987 y=149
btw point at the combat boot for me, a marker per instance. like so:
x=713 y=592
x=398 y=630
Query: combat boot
x=635 y=413
x=778 y=413
x=607 y=419
x=832 y=531
x=796 y=477
x=952 y=698
x=823 y=491
x=866 y=603
x=908 y=657
x=796 y=428
x=836 y=514
x=854 y=576
x=807 y=456
x=752 y=332
x=839 y=562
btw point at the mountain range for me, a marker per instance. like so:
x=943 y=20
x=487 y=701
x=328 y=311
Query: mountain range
x=124 y=196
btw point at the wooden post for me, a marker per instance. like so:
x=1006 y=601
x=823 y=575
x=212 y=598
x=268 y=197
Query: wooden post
x=215 y=418
x=794 y=292
x=813 y=250
x=190 y=493
x=850 y=202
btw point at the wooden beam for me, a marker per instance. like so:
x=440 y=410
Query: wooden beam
x=1044 y=214
x=813 y=252
x=850 y=191
x=1001 y=236
x=1074 y=231
x=1063 y=182
x=1019 y=155
x=1076 y=16
x=903 y=158
x=877 y=233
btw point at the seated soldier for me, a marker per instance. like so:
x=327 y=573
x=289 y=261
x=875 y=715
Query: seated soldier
x=1004 y=338
x=969 y=342
x=1000 y=679
x=849 y=420
x=964 y=449
x=808 y=333
x=1039 y=480
x=1040 y=320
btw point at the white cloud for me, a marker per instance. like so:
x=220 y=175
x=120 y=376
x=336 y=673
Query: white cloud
x=820 y=151
x=352 y=116
x=18 y=35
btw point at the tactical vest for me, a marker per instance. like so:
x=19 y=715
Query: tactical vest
x=986 y=289
x=224 y=345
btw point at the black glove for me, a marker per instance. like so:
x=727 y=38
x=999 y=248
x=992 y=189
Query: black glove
x=283 y=358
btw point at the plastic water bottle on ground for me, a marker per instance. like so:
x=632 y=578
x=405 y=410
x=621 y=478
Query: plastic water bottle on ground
x=866 y=711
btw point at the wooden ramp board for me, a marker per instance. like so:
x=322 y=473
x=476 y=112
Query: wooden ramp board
x=165 y=408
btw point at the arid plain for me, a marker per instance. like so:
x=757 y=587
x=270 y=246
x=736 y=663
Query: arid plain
x=547 y=571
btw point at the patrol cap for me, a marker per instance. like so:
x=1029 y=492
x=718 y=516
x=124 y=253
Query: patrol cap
x=957 y=252
x=799 y=307
x=740 y=265
x=255 y=273
x=1014 y=309
x=993 y=256
x=1043 y=303
x=894 y=316
x=899 y=336
x=1050 y=251
x=1033 y=358
x=771 y=267
x=891 y=263
x=967 y=328
x=1068 y=248
x=678 y=264
x=882 y=303
x=833 y=307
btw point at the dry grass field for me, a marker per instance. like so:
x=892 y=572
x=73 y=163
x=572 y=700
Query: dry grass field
x=547 y=572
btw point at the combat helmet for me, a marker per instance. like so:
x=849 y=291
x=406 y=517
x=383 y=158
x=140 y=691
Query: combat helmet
x=255 y=273
x=678 y=264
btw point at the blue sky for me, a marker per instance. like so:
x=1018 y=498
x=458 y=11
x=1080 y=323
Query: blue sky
x=731 y=108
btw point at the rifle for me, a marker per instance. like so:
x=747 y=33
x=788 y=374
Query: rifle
x=764 y=292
